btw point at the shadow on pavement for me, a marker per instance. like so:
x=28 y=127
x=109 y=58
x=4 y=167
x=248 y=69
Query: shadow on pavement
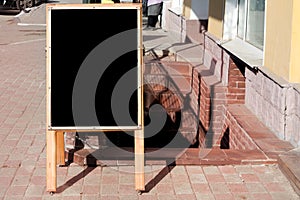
x=74 y=179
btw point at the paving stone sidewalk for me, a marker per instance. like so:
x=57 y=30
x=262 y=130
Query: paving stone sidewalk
x=23 y=157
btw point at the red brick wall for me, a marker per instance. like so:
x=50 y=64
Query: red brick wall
x=236 y=85
x=234 y=93
x=204 y=112
x=195 y=90
x=238 y=137
x=214 y=97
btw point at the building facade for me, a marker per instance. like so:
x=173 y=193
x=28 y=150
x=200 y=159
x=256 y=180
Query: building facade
x=250 y=46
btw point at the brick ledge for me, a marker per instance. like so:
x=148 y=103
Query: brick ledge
x=190 y=156
x=289 y=163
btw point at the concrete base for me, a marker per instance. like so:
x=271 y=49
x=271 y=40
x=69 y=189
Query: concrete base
x=289 y=163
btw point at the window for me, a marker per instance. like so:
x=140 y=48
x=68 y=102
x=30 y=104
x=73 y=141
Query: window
x=251 y=18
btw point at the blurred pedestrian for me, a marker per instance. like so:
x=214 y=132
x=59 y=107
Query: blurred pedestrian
x=154 y=9
x=144 y=3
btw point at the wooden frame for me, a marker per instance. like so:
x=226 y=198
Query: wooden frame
x=55 y=135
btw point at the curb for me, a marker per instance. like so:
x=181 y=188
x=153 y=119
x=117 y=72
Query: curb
x=289 y=163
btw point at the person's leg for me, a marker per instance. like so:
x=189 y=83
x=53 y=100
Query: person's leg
x=155 y=20
x=151 y=21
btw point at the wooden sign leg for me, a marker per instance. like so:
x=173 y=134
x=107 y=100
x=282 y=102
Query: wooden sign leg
x=139 y=160
x=51 y=161
x=60 y=154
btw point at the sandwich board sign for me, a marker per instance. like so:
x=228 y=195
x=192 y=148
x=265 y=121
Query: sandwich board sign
x=94 y=76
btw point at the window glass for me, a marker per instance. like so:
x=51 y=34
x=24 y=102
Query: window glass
x=255 y=23
x=241 y=18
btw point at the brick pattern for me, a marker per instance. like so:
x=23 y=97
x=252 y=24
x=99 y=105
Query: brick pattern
x=174 y=93
x=210 y=101
x=236 y=85
x=221 y=83
x=195 y=94
x=170 y=101
x=238 y=137
x=204 y=113
x=273 y=102
x=256 y=132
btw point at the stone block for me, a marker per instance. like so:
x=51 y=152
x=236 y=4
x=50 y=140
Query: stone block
x=225 y=67
x=278 y=123
x=226 y=58
x=292 y=130
x=290 y=127
x=292 y=102
x=250 y=75
x=217 y=51
x=208 y=57
x=249 y=91
x=264 y=112
x=298 y=103
x=274 y=97
x=267 y=87
x=253 y=105
x=250 y=98
x=208 y=44
x=282 y=100
x=225 y=72
x=297 y=135
x=218 y=68
x=258 y=104
x=194 y=30
x=258 y=82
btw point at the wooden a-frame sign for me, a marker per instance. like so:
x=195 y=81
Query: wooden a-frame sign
x=90 y=48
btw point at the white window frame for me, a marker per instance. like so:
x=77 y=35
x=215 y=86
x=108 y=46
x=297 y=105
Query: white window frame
x=241 y=48
x=246 y=25
x=231 y=19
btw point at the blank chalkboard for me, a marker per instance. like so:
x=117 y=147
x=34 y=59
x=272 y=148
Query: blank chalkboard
x=93 y=66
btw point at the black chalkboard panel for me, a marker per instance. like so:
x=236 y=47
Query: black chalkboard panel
x=93 y=70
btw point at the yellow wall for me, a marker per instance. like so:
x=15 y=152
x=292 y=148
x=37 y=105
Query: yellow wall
x=107 y=1
x=187 y=6
x=282 y=35
x=280 y=55
x=216 y=17
x=295 y=52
